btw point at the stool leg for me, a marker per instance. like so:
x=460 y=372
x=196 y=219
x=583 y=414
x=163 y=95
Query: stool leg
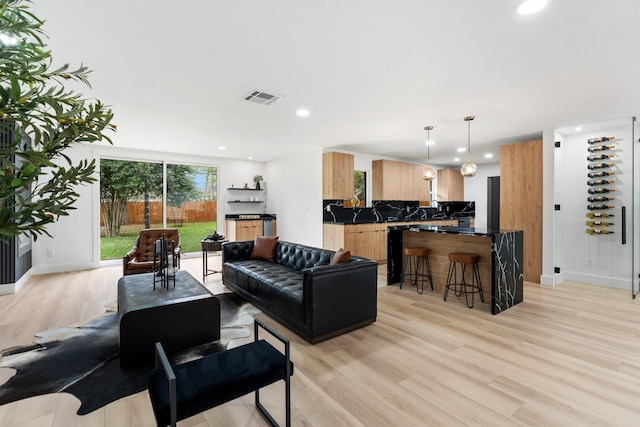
x=472 y=286
x=452 y=266
x=429 y=271
x=462 y=286
x=419 y=273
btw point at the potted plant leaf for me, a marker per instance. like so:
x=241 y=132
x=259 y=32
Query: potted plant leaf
x=257 y=178
x=40 y=119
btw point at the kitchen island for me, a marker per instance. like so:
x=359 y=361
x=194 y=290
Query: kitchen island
x=500 y=258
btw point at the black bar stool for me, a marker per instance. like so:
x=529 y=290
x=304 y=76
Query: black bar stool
x=475 y=287
x=416 y=260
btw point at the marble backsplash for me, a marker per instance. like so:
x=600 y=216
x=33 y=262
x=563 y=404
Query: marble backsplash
x=395 y=210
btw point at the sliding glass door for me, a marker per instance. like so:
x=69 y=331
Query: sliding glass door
x=136 y=194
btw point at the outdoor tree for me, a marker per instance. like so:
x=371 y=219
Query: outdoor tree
x=122 y=181
x=39 y=120
x=181 y=185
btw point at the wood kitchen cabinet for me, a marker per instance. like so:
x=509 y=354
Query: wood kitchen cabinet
x=368 y=240
x=450 y=185
x=398 y=181
x=245 y=229
x=337 y=176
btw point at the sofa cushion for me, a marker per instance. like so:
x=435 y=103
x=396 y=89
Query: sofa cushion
x=279 y=286
x=300 y=257
x=264 y=248
x=341 y=256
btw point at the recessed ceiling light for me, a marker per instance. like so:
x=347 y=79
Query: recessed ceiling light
x=250 y=158
x=222 y=148
x=461 y=150
x=578 y=129
x=531 y=6
x=429 y=142
x=457 y=159
x=488 y=156
x=302 y=113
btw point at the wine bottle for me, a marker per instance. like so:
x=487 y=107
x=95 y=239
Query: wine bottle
x=599 y=215
x=601 y=148
x=598 y=190
x=600 y=198
x=598 y=231
x=603 y=223
x=599 y=206
x=601 y=139
x=600 y=173
x=600 y=157
x=600 y=165
x=600 y=181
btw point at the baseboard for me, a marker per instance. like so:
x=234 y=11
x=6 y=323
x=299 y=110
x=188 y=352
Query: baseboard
x=12 y=288
x=546 y=280
x=62 y=268
x=607 y=282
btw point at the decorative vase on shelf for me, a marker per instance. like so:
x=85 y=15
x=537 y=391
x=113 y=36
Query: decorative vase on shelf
x=257 y=185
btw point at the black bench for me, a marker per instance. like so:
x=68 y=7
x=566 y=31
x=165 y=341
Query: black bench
x=193 y=387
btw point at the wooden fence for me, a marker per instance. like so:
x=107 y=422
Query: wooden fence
x=189 y=212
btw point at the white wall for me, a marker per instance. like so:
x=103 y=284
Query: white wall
x=475 y=190
x=75 y=241
x=295 y=185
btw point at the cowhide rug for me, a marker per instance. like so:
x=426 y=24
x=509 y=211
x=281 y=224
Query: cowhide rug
x=84 y=360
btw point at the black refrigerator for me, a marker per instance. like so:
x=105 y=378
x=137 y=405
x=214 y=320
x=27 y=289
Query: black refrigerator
x=493 y=203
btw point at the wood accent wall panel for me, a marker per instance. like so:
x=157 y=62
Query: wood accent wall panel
x=398 y=181
x=441 y=246
x=450 y=185
x=521 y=200
x=337 y=176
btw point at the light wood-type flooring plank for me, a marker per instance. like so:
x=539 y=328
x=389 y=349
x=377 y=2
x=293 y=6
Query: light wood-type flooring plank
x=568 y=355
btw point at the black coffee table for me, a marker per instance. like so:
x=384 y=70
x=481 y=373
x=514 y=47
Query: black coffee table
x=179 y=317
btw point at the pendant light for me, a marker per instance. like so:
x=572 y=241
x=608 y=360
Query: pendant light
x=428 y=174
x=469 y=168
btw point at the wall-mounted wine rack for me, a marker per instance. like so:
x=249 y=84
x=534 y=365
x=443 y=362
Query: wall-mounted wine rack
x=601 y=185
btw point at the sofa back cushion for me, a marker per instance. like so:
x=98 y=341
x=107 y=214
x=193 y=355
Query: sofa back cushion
x=300 y=257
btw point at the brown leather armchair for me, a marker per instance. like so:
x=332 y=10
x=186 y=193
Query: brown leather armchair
x=140 y=258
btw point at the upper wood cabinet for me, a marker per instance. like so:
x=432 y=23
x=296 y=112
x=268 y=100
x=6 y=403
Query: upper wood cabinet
x=450 y=185
x=398 y=181
x=337 y=176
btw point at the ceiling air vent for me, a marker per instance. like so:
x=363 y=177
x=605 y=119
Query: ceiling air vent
x=263 y=98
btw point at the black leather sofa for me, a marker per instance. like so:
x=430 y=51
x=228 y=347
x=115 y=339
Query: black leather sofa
x=301 y=290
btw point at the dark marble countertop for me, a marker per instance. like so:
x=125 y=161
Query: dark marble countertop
x=236 y=217
x=387 y=222
x=481 y=232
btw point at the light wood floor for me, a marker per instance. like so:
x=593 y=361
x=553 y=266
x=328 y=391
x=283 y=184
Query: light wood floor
x=567 y=356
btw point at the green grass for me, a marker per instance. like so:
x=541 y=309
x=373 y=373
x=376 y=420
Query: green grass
x=190 y=236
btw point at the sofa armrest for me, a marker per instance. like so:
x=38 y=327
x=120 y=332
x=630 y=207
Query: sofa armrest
x=236 y=251
x=339 y=296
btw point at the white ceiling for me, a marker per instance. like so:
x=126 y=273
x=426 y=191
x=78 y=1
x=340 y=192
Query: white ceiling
x=372 y=73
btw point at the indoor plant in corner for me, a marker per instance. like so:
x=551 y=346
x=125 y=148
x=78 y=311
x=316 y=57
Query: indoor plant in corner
x=39 y=120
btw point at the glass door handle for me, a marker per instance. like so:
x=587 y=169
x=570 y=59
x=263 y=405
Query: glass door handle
x=624 y=225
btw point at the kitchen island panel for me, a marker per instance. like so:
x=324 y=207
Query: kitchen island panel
x=501 y=259
x=443 y=244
